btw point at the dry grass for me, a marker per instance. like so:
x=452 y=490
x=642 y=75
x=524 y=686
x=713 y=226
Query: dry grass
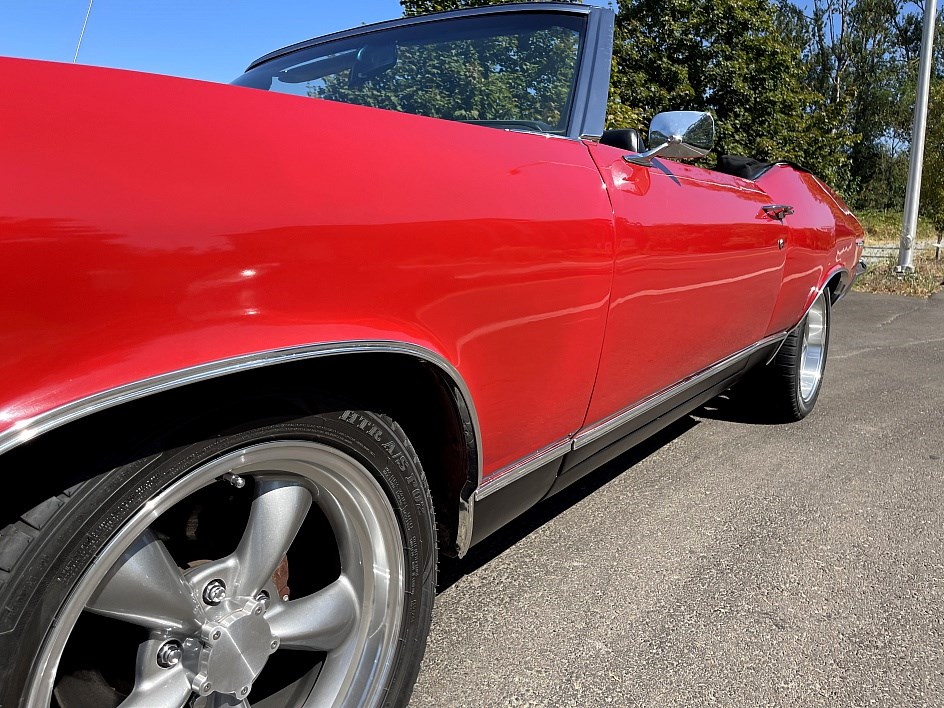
x=884 y=229
x=927 y=278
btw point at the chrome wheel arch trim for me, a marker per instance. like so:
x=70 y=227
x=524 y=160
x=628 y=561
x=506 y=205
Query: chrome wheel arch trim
x=30 y=428
x=842 y=287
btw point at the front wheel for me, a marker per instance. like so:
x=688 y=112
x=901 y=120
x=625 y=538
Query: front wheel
x=288 y=565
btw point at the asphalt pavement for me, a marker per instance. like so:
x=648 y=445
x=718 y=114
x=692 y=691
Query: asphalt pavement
x=729 y=562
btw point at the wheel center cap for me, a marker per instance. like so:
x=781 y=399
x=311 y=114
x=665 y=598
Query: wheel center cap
x=237 y=642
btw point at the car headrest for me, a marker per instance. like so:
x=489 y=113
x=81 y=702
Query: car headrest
x=627 y=139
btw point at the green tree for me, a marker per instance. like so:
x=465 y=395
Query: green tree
x=524 y=76
x=739 y=59
x=733 y=58
x=423 y=7
x=862 y=59
x=932 y=183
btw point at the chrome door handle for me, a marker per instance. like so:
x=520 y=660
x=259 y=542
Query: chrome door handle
x=778 y=211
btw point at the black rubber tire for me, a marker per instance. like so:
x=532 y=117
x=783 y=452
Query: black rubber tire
x=778 y=383
x=46 y=550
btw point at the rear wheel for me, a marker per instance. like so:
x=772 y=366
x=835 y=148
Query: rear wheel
x=790 y=384
x=287 y=565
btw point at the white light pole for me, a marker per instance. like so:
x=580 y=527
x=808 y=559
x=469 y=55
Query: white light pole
x=913 y=192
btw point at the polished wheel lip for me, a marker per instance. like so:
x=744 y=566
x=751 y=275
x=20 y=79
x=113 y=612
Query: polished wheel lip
x=352 y=491
x=812 y=350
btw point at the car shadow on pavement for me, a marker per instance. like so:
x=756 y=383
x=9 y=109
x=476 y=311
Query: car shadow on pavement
x=452 y=569
x=739 y=404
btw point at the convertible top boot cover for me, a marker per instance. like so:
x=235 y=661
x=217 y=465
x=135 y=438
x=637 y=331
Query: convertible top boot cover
x=749 y=167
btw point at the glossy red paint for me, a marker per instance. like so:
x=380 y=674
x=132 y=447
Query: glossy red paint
x=698 y=269
x=821 y=241
x=155 y=229
x=158 y=223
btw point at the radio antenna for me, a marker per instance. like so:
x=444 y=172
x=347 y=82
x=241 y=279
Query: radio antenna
x=82 y=34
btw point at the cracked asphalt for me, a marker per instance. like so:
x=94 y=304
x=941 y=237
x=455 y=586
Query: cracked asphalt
x=729 y=562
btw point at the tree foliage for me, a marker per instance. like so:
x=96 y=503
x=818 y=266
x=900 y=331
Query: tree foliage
x=523 y=76
x=423 y=7
x=728 y=57
x=861 y=59
x=932 y=186
x=826 y=83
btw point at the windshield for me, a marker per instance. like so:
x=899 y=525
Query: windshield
x=512 y=71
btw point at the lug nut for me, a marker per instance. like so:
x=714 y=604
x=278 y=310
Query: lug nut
x=215 y=592
x=263 y=597
x=244 y=691
x=274 y=644
x=235 y=480
x=169 y=654
x=206 y=688
x=216 y=635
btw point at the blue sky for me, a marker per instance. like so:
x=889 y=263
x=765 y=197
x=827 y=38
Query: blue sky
x=203 y=39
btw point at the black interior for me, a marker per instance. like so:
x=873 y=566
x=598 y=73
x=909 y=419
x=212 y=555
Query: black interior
x=748 y=167
x=627 y=139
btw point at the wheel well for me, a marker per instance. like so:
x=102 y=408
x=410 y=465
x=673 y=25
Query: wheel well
x=417 y=394
x=835 y=285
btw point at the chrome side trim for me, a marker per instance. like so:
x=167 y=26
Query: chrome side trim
x=776 y=351
x=27 y=429
x=515 y=471
x=597 y=430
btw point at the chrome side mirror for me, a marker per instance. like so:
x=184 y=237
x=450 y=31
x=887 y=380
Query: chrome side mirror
x=681 y=135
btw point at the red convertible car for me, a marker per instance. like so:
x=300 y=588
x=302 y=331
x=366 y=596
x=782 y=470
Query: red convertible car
x=269 y=348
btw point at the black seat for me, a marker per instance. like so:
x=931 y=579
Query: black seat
x=749 y=167
x=744 y=167
x=627 y=139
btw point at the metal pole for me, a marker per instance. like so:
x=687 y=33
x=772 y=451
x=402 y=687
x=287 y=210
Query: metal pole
x=913 y=192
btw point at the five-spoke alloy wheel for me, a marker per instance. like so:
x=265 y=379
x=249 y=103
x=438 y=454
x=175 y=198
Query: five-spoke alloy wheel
x=290 y=565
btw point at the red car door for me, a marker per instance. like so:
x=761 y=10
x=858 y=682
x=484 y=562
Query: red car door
x=698 y=268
